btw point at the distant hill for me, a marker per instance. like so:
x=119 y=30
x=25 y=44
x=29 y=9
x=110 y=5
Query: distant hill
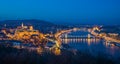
x=30 y=21
x=33 y=22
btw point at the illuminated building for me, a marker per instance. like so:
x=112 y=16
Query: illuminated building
x=26 y=34
x=31 y=27
x=3 y=30
x=96 y=28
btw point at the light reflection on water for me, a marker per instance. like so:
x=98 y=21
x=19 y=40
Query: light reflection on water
x=89 y=41
x=93 y=46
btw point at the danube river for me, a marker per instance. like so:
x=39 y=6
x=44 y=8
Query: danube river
x=92 y=46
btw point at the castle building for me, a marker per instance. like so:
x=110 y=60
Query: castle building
x=25 y=32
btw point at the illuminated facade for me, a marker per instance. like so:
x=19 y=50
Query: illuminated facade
x=26 y=34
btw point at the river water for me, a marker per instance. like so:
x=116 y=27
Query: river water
x=93 y=46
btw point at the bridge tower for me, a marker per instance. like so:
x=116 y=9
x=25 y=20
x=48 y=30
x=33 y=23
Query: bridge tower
x=89 y=36
x=66 y=36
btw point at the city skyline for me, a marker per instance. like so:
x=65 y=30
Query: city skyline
x=62 y=11
x=59 y=31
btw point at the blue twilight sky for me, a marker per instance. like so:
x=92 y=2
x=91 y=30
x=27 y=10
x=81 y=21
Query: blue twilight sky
x=62 y=11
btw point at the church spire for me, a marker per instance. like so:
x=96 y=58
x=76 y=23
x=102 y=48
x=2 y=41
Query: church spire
x=22 y=25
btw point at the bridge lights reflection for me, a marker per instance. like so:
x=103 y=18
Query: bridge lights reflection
x=81 y=40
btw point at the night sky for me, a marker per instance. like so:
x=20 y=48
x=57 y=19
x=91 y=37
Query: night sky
x=62 y=11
